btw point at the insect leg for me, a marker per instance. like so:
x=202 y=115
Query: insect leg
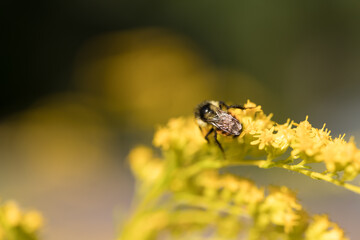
x=236 y=106
x=201 y=129
x=217 y=142
x=207 y=135
x=221 y=103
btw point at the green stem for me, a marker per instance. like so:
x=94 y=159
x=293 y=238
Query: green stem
x=148 y=200
x=243 y=163
x=316 y=175
x=295 y=168
x=146 y=204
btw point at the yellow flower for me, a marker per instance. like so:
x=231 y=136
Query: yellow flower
x=12 y=214
x=264 y=139
x=308 y=141
x=240 y=190
x=256 y=125
x=274 y=140
x=208 y=179
x=283 y=136
x=340 y=155
x=251 y=106
x=249 y=194
x=32 y=221
x=15 y=223
x=322 y=229
x=180 y=133
x=144 y=165
x=245 y=190
x=253 y=118
x=2 y=233
x=281 y=208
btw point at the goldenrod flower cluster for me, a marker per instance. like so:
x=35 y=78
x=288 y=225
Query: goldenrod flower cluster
x=18 y=225
x=183 y=195
x=306 y=143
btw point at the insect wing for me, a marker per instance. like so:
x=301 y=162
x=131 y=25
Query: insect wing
x=227 y=124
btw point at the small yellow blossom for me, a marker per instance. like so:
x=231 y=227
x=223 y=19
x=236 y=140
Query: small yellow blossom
x=283 y=136
x=253 y=118
x=32 y=221
x=304 y=141
x=12 y=214
x=208 y=179
x=258 y=124
x=180 y=133
x=308 y=141
x=340 y=155
x=16 y=224
x=144 y=165
x=231 y=189
x=264 y=139
x=322 y=229
x=281 y=208
x=251 y=106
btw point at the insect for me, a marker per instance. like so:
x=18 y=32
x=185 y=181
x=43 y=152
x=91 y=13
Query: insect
x=216 y=115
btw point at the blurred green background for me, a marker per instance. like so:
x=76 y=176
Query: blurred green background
x=84 y=81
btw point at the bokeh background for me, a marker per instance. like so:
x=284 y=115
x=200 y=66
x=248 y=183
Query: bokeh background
x=84 y=81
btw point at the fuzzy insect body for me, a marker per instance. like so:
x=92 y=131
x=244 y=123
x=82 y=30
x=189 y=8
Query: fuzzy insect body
x=215 y=114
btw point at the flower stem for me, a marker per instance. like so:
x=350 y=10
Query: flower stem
x=316 y=175
x=296 y=168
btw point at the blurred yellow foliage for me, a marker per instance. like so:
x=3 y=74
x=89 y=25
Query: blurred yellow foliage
x=32 y=221
x=18 y=225
x=147 y=75
x=322 y=229
x=144 y=74
x=144 y=163
x=11 y=213
x=61 y=140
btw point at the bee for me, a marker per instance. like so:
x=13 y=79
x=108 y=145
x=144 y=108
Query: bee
x=215 y=114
